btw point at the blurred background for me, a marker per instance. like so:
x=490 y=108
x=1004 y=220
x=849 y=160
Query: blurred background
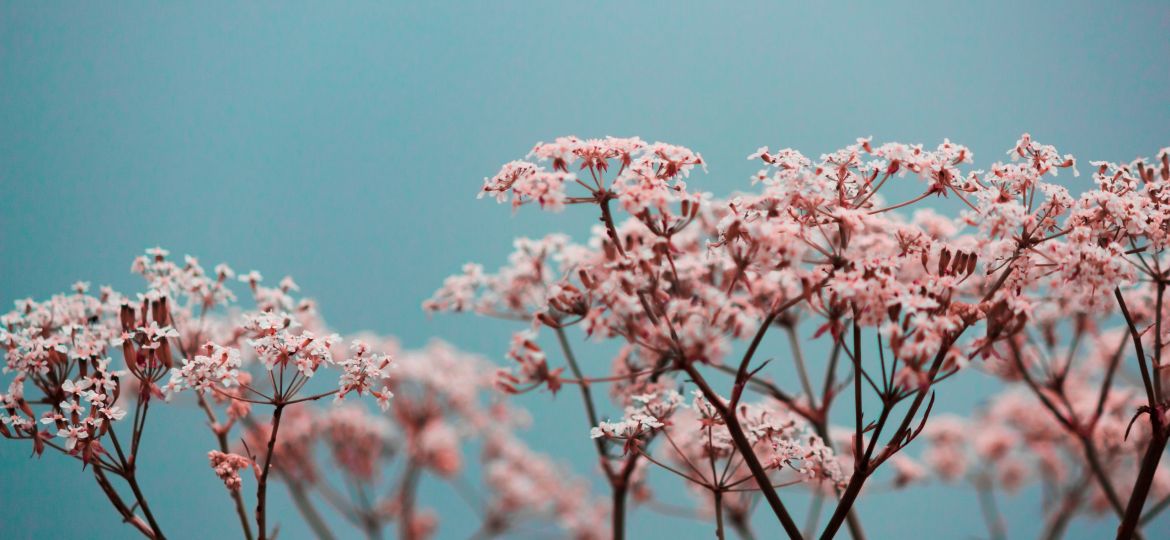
x=344 y=145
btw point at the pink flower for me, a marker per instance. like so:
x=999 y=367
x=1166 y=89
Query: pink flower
x=73 y=435
x=227 y=467
x=363 y=371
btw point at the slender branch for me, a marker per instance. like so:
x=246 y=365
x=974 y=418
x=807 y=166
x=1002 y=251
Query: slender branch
x=990 y=511
x=718 y=495
x=120 y=505
x=221 y=438
x=745 y=448
x=586 y=393
x=798 y=359
x=1145 y=479
x=1058 y=521
x=406 y=499
x=1157 y=376
x=621 y=487
x=607 y=218
x=853 y=489
x=741 y=374
x=132 y=480
x=814 y=514
x=1156 y=509
x=262 y=485
x=1137 y=347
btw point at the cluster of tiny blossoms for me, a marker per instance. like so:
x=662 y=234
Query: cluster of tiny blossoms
x=77 y=365
x=60 y=357
x=1059 y=295
x=227 y=467
x=444 y=405
x=903 y=297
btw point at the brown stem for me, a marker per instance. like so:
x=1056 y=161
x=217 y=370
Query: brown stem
x=858 y=413
x=262 y=485
x=120 y=505
x=130 y=464
x=743 y=528
x=1101 y=476
x=861 y=471
x=1158 y=435
x=406 y=498
x=1145 y=479
x=741 y=374
x=1073 y=427
x=1137 y=347
x=221 y=438
x=798 y=359
x=718 y=495
x=618 y=516
x=1058 y=521
x=586 y=394
x=132 y=480
x=1158 y=341
x=746 y=450
x=620 y=484
x=607 y=218
x=617 y=483
x=861 y=467
x=821 y=425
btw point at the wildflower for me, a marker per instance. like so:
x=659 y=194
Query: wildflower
x=227 y=467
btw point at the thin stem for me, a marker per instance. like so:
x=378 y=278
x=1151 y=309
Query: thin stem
x=221 y=438
x=1145 y=479
x=1058 y=521
x=262 y=486
x=607 y=218
x=1156 y=509
x=853 y=489
x=1102 y=477
x=618 y=514
x=742 y=527
x=620 y=487
x=718 y=495
x=798 y=359
x=1137 y=347
x=406 y=498
x=745 y=448
x=132 y=480
x=902 y=204
x=991 y=515
x=120 y=505
x=698 y=481
x=1158 y=340
x=814 y=514
x=858 y=414
x=586 y=393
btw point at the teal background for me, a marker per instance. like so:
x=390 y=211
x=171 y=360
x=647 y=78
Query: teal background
x=344 y=143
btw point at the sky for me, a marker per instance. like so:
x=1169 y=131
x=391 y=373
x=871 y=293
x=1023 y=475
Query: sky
x=344 y=143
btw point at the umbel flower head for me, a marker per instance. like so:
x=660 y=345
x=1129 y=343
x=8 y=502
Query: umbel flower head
x=904 y=297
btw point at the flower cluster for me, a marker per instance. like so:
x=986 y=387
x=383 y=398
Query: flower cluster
x=444 y=406
x=57 y=355
x=227 y=467
x=1058 y=295
x=903 y=296
x=362 y=371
